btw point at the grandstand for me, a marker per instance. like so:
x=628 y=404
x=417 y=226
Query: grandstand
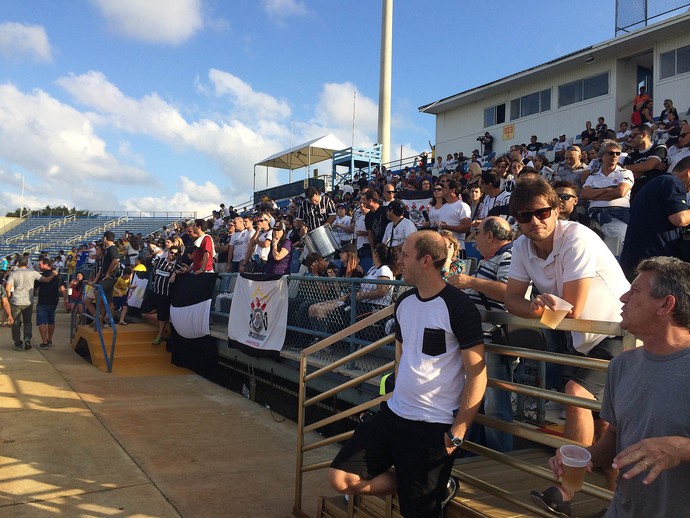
x=51 y=234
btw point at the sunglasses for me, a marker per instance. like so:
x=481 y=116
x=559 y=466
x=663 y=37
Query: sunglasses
x=613 y=153
x=565 y=197
x=390 y=192
x=172 y=252
x=540 y=214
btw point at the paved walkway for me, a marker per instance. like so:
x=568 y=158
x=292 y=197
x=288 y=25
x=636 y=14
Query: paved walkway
x=79 y=442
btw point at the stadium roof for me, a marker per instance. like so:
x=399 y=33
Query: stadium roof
x=303 y=155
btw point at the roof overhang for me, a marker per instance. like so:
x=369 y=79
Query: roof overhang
x=304 y=155
x=629 y=45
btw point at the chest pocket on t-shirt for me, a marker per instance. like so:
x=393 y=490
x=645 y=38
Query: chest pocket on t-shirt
x=434 y=342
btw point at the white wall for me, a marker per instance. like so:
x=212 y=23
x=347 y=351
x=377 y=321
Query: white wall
x=676 y=88
x=457 y=129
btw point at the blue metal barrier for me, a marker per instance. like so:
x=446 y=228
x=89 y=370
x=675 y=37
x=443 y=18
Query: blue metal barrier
x=101 y=301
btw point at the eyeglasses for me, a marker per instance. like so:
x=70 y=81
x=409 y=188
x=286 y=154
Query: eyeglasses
x=438 y=188
x=613 y=153
x=172 y=252
x=565 y=197
x=540 y=214
x=390 y=192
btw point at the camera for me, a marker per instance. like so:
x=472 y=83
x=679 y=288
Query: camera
x=480 y=139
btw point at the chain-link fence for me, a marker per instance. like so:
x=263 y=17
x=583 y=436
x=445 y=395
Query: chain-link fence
x=635 y=14
x=319 y=307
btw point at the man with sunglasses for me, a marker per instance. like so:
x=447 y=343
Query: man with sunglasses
x=648 y=161
x=608 y=193
x=683 y=147
x=568 y=260
x=388 y=194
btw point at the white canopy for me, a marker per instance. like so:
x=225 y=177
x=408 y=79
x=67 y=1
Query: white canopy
x=304 y=155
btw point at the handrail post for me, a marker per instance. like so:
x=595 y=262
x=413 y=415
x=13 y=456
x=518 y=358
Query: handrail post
x=297 y=507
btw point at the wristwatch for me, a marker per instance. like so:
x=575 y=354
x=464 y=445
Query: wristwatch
x=455 y=441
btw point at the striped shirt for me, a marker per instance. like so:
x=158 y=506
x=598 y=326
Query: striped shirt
x=492 y=269
x=316 y=215
x=162 y=270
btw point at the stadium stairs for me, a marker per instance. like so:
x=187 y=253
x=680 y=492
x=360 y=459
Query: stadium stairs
x=135 y=354
x=470 y=501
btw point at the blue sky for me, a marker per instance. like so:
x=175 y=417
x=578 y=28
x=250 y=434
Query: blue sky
x=168 y=104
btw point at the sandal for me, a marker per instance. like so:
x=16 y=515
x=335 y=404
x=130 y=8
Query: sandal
x=122 y=324
x=552 y=500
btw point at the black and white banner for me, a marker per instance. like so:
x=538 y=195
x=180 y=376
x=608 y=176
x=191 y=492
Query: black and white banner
x=190 y=305
x=416 y=203
x=258 y=315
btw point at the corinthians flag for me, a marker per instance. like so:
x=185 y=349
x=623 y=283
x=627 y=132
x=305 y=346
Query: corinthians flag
x=191 y=344
x=258 y=315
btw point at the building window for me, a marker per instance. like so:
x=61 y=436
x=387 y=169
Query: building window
x=583 y=89
x=494 y=115
x=530 y=104
x=675 y=62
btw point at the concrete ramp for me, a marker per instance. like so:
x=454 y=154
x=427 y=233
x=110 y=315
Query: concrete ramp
x=135 y=354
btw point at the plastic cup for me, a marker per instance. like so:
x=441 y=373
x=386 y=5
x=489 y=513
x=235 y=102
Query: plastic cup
x=552 y=317
x=574 y=460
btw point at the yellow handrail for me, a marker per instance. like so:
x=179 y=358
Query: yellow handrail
x=517 y=429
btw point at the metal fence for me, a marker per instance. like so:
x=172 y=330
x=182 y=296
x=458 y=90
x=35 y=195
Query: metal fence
x=635 y=14
x=319 y=307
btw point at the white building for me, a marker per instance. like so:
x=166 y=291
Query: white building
x=561 y=95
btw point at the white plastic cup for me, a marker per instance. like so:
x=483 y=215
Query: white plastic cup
x=552 y=317
x=575 y=460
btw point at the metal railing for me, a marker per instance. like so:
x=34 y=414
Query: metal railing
x=101 y=302
x=516 y=428
x=314 y=311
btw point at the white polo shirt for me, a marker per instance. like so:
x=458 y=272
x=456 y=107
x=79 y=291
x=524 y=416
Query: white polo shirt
x=599 y=180
x=578 y=253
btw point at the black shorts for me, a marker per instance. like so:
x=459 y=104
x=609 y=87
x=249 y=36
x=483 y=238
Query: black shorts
x=595 y=380
x=162 y=305
x=417 y=450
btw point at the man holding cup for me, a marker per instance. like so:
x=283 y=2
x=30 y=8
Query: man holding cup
x=565 y=260
x=646 y=402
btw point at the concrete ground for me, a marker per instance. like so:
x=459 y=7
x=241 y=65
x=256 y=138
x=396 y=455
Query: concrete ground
x=76 y=441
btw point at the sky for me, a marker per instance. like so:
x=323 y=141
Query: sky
x=166 y=105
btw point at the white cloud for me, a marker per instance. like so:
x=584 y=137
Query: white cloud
x=18 y=40
x=202 y=198
x=51 y=139
x=279 y=9
x=234 y=144
x=335 y=109
x=247 y=102
x=155 y=21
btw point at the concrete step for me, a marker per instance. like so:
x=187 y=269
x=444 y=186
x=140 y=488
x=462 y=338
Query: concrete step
x=135 y=354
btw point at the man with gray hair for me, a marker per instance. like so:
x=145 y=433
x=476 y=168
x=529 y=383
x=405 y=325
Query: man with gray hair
x=487 y=289
x=648 y=437
x=20 y=287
